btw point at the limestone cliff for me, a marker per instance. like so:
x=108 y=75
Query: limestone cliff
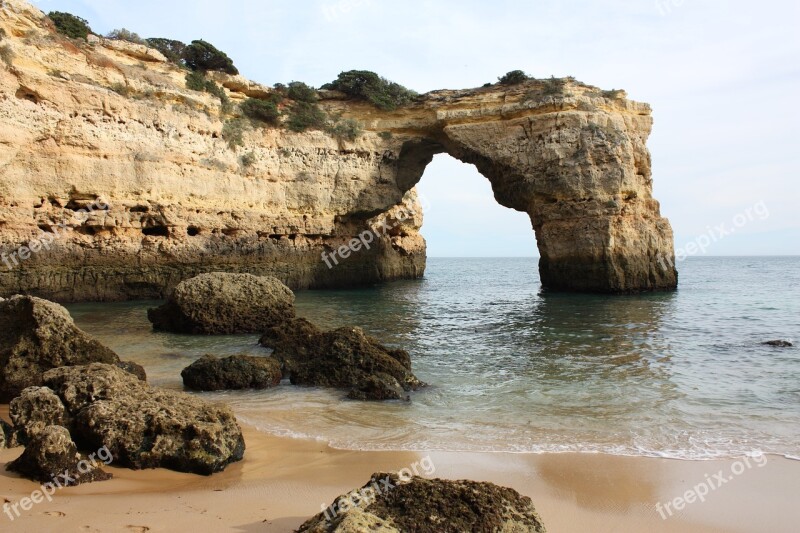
x=114 y=121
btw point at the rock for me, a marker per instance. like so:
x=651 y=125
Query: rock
x=6 y=432
x=221 y=304
x=778 y=343
x=51 y=455
x=570 y=156
x=341 y=358
x=133 y=368
x=39 y=335
x=134 y=50
x=143 y=426
x=35 y=409
x=232 y=373
x=427 y=506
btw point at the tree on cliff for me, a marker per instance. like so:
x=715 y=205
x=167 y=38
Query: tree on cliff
x=514 y=77
x=366 y=85
x=70 y=25
x=171 y=49
x=201 y=55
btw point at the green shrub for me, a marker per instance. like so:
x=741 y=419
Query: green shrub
x=261 y=110
x=304 y=116
x=171 y=49
x=300 y=92
x=514 y=77
x=613 y=94
x=70 y=25
x=345 y=129
x=385 y=135
x=121 y=89
x=6 y=55
x=366 y=85
x=554 y=86
x=196 y=81
x=201 y=55
x=233 y=132
x=125 y=35
x=248 y=160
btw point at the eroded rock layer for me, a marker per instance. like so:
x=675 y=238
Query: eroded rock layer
x=109 y=128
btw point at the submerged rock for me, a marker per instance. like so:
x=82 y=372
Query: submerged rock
x=143 y=426
x=51 y=455
x=780 y=343
x=220 y=303
x=232 y=373
x=38 y=335
x=392 y=504
x=341 y=358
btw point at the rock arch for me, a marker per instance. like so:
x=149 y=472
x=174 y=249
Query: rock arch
x=575 y=162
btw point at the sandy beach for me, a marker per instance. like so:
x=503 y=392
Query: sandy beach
x=282 y=482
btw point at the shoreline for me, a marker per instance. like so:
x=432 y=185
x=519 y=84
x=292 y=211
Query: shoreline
x=282 y=482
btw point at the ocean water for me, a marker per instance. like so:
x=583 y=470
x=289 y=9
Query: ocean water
x=510 y=368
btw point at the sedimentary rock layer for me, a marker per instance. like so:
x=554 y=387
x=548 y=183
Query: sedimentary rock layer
x=109 y=128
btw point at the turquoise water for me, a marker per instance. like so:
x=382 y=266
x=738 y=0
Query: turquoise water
x=678 y=374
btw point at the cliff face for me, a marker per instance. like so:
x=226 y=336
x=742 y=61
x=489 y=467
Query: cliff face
x=110 y=126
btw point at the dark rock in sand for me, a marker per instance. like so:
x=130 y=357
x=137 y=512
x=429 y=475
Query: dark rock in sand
x=778 y=343
x=222 y=303
x=143 y=426
x=36 y=336
x=341 y=358
x=428 y=506
x=35 y=409
x=232 y=373
x=52 y=454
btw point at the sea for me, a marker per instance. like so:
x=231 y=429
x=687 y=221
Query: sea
x=511 y=368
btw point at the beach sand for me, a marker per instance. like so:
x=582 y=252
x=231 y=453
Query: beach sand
x=282 y=482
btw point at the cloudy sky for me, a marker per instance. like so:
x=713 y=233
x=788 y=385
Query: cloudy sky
x=723 y=78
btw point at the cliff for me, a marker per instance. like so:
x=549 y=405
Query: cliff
x=110 y=127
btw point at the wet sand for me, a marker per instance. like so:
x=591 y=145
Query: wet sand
x=282 y=482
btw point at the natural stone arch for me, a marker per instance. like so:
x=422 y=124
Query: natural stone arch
x=577 y=164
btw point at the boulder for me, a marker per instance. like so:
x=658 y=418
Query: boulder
x=133 y=368
x=52 y=456
x=232 y=373
x=35 y=409
x=221 y=303
x=780 y=343
x=393 y=504
x=38 y=335
x=143 y=426
x=341 y=358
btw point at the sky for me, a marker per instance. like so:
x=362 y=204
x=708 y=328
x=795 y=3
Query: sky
x=723 y=78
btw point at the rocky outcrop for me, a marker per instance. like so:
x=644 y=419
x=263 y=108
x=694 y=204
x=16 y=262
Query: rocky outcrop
x=127 y=182
x=221 y=303
x=779 y=343
x=391 y=504
x=143 y=426
x=236 y=372
x=341 y=358
x=36 y=336
x=52 y=457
